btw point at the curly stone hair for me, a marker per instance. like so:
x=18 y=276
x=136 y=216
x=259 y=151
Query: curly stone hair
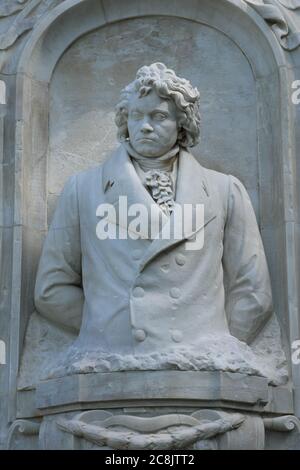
x=167 y=85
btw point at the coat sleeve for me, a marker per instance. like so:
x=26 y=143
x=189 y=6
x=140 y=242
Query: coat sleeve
x=58 y=291
x=246 y=276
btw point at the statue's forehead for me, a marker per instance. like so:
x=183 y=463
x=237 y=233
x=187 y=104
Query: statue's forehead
x=150 y=102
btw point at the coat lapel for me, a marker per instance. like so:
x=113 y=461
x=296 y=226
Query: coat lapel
x=192 y=188
x=119 y=179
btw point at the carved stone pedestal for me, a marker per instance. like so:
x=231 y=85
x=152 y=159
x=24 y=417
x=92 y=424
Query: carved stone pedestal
x=202 y=429
x=155 y=410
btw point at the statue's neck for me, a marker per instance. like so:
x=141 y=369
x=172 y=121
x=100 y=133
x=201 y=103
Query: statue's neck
x=164 y=162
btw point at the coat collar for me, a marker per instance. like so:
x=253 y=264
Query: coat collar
x=119 y=178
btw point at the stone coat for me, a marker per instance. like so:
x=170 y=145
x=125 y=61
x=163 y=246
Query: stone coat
x=148 y=295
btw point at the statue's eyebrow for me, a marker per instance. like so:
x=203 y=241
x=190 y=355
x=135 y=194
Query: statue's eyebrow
x=158 y=110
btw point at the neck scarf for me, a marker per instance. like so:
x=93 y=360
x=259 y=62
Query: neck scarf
x=157 y=175
x=164 y=162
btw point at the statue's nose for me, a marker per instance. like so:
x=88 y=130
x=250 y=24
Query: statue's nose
x=146 y=127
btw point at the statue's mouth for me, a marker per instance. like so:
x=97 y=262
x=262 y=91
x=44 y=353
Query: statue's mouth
x=146 y=139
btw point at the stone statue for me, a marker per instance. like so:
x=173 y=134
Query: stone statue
x=140 y=300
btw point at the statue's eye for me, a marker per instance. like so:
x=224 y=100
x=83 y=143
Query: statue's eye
x=159 y=116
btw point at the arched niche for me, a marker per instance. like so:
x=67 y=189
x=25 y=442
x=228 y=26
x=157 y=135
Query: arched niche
x=50 y=40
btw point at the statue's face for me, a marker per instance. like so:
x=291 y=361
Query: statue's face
x=152 y=124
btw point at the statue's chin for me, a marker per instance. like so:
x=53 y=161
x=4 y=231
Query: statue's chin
x=149 y=150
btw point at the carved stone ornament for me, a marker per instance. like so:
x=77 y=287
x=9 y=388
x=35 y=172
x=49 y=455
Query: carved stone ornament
x=173 y=431
x=22 y=429
x=204 y=429
x=282 y=424
x=273 y=12
x=26 y=15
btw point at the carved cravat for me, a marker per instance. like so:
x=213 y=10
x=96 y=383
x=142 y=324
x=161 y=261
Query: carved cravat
x=161 y=188
x=158 y=175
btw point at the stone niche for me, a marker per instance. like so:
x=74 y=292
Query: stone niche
x=69 y=75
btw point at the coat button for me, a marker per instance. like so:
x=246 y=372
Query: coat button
x=176 y=336
x=175 y=293
x=165 y=268
x=138 y=292
x=140 y=335
x=180 y=259
x=137 y=254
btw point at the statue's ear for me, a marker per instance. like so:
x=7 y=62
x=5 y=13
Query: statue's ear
x=181 y=135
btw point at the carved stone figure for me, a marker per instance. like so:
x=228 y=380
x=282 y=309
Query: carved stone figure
x=141 y=300
x=153 y=325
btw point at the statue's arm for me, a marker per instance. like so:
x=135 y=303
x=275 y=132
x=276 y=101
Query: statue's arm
x=58 y=291
x=247 y=282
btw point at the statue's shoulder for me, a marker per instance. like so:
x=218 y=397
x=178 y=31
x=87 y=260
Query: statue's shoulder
x=223 y=182
x=92 y=175
x=219 y=182
x=215 y=175
x=89 y=174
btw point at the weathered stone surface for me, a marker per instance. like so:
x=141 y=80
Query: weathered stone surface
x=250 y=129
x=151 y=385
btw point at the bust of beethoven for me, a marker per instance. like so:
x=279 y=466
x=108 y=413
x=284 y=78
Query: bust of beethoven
x=143 y=287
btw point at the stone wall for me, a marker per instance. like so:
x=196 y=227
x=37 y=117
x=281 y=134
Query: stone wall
x=63 y=62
